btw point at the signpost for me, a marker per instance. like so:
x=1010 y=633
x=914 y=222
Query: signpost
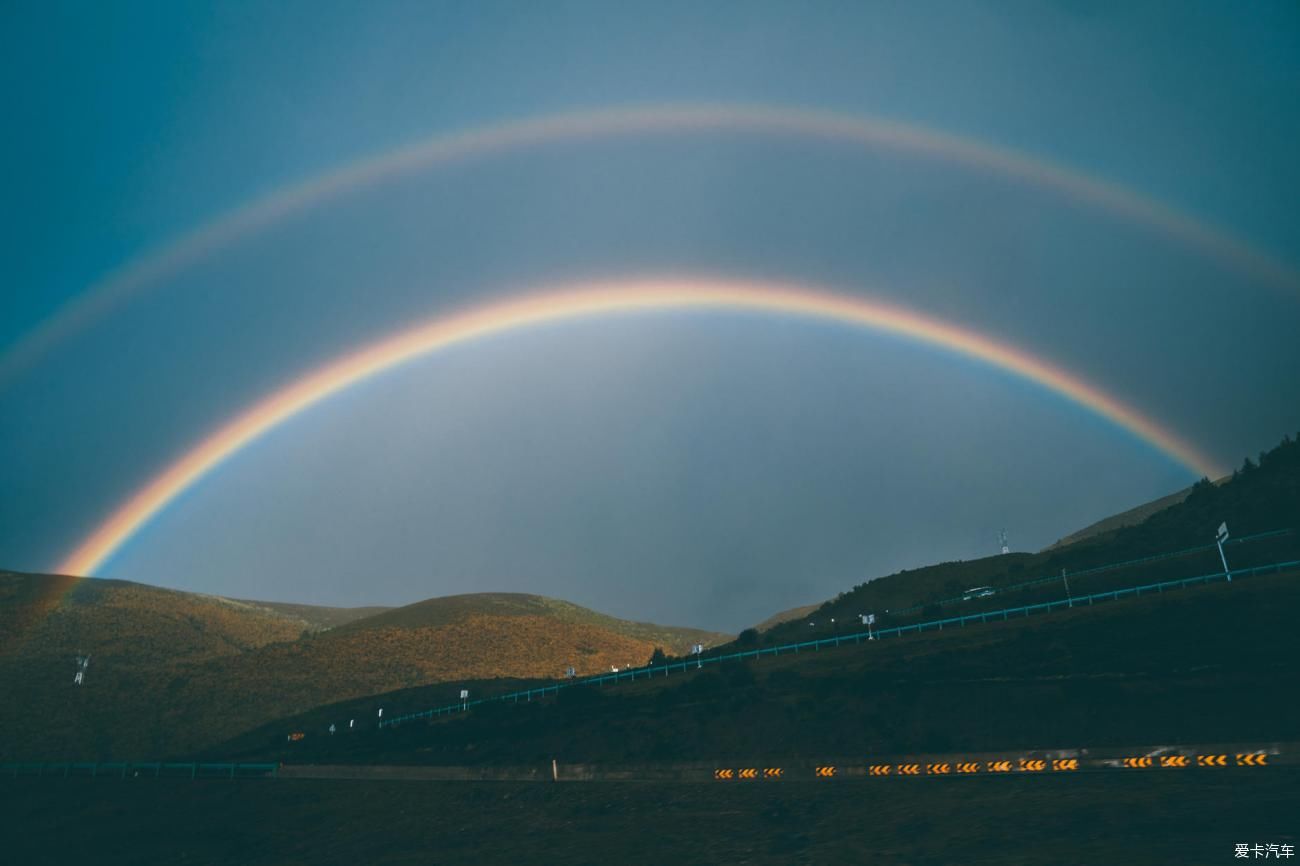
x=1221 y=537
x=868 y=619
x=464 y=699
x=83 y=662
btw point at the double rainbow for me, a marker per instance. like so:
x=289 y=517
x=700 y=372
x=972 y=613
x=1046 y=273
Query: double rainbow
x=866 y=131
x=590 y=301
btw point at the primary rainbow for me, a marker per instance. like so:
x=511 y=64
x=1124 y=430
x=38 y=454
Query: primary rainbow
x=586 y=301
x=154 y=266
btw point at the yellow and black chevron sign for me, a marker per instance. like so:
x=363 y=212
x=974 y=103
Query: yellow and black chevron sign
x=772 y=772
x=909 y=769
x=1032 y=765
x=1211 y=760
x=825 y=772
x=1138 y=763
x=968 y=767
x=1175 y=761
x=748 y=773
x=1065 y=764
x=1252 y=759
x=938 y=769
x=879 y=770
x=999 y=766
x=724 y=774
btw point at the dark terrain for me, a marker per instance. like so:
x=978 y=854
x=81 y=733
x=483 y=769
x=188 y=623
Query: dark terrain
x=1144 y=818
x=1205 y=664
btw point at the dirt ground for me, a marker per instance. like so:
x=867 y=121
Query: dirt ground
x=1177 y=818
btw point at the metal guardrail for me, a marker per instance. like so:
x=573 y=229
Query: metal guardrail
x=1039 y=581
x=138 y=769
x=699 y=662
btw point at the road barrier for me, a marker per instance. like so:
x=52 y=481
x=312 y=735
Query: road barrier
x=1050 y=762
x=1055 y=578
x=686 y=665
x=1247 y=759
x=138 y=769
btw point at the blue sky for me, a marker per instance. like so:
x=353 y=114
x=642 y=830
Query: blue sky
x=837 y=456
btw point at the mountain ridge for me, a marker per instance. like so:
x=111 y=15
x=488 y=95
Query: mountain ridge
x=173 y=670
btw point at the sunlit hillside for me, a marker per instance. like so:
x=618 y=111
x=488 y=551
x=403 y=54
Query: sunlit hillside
x=174 y=671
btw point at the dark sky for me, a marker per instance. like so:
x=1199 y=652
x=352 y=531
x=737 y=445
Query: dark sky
x=703 y=469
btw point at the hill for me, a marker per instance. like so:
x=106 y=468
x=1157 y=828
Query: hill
x=1260 y=497
x=315 y=616
x=130 y=624
x=1159 y=669
x=786 y=616
x=449 y=609
x=175 y=671
x=1131 y=517
x=1255 y=502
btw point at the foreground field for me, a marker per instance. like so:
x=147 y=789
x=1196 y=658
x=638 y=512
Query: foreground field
x=1080 y=819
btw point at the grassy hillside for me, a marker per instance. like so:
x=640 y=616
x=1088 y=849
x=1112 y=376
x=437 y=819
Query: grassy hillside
x=1260 y=497
x=1158 y=669
x=1162 y=669
x=1263 y=495
x=129 y=624
x=173 y=671
x=361 y=660
x=1130 y=517
x=450 y=609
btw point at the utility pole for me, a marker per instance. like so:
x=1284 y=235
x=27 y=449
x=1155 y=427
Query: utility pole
x=1066 y=580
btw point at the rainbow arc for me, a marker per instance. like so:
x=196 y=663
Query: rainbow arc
x=626 y=297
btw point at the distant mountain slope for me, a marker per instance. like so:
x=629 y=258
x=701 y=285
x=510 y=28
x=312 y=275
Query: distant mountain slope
x=450 y=609
x=316 y=616
x=1132 y=517
x=174 y=670
x=786 y=616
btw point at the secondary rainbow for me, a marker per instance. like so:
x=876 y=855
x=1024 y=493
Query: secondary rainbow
x=587 y=301
x=153 y=267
